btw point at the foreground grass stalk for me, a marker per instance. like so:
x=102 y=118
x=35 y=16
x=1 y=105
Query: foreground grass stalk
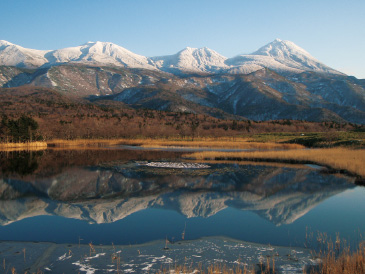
x=346 y=262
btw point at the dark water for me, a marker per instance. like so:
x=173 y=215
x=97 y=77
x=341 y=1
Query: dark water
x=111 y=196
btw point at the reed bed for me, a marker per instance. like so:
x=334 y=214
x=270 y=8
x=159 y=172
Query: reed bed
x=350 y=160
x=25 y=145
x=84 y=142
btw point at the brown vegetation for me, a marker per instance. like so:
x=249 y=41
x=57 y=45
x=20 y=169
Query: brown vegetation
x=61 y=117
x=349 y=160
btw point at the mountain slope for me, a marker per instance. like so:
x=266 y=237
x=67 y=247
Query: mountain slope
x=261 y=95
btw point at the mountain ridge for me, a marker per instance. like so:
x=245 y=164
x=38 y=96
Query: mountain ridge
x=279 y=55
x=278 y=81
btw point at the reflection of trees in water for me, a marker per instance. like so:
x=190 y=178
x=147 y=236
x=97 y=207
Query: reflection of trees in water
x=52 y=162
x=19 y=162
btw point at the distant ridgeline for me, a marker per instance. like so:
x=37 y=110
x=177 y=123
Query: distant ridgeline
x=23 y=129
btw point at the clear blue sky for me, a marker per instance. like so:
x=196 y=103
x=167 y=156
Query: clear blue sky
x=333 y=31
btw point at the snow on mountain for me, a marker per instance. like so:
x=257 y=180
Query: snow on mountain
x=100 y=53
x=278 y=55
x=249 y=63
x=14 y=55
x=192 y=59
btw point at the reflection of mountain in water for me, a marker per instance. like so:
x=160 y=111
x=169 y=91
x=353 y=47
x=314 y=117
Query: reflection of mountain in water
x=109 y=193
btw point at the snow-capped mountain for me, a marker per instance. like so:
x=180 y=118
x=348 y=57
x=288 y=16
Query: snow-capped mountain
x=281 y=56
x=14 y=55
x=99 y=53
x=281 y=78
x=192 y=59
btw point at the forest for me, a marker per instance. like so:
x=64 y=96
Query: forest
x=32 y=114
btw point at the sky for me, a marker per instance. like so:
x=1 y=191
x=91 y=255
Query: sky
x=333 y=31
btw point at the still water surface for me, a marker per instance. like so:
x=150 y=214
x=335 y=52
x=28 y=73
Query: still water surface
x=112 y=196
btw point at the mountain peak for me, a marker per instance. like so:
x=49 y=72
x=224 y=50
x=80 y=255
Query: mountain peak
x=282 y=49
x=286 y=55
x=192 y=59
x=188 y=49
x=203 y=49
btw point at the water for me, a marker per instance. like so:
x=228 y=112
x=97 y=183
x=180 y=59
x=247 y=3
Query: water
x=112 y=196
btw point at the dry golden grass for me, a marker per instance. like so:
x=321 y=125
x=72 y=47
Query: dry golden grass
x=22 y=146
x=228 y=143
x=337 y=158
x=84 y=143
x=346 y=262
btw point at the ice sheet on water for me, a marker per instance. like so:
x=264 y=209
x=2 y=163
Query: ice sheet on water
x=176 y=165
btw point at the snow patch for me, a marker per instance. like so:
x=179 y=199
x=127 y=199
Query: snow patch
x=84 y=267
x=64 y=257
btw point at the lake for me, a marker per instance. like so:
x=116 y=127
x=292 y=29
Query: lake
x=128 y=196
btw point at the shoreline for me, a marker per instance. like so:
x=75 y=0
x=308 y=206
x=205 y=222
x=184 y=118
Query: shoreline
x=26 y=145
